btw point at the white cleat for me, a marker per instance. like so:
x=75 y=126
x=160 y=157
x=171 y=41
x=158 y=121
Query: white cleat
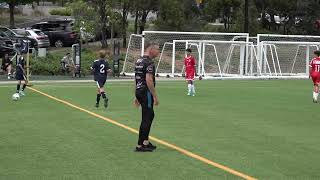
x=22 y=93
x=314 y=100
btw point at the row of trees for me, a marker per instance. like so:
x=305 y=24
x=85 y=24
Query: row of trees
x=264 y=16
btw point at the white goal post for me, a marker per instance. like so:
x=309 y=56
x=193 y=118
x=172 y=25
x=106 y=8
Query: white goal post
x=165 y=40
x=227 y=55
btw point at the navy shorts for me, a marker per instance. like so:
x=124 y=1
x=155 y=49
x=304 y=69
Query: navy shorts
x=101 y=82
x=20 y=77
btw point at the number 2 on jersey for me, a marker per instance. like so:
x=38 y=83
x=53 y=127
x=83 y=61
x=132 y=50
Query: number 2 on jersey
x=102 y=71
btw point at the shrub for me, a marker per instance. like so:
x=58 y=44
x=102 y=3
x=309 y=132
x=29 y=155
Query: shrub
x=60 y=12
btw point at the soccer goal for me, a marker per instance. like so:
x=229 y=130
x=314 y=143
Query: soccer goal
x=214 y=58
x=170 y=61
x=287 y=58
x=286 y=55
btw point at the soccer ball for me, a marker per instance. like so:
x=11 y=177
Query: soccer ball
x=15 y=96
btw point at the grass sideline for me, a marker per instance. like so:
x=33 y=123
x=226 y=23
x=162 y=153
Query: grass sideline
x=267 y=129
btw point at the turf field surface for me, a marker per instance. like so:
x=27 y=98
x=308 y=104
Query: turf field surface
x=265 y=129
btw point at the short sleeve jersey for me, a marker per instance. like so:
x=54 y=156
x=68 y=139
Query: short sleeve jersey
x=143 y=66
x=100 y=68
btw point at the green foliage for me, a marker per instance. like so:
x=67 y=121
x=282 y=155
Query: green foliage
x=171 y=15
x=61 y=11
x=83 y=12
x=50 y=65
x=212 y=28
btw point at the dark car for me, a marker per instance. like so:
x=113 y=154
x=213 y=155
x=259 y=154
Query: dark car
x=6 y=46
x=60 y=33
x=13 y=36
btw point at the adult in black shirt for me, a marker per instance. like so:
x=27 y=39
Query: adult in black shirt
x=146 y=95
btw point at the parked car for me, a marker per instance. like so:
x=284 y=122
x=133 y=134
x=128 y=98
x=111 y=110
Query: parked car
x=36 y=34
x=60 y=34
x=4 y=6
x=10 y=34
x=5 y=46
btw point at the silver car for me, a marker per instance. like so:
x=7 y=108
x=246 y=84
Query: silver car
x=36 y=34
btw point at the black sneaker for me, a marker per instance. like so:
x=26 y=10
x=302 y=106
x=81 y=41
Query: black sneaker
x=151 y=146
x=143 y=148
x=97 y=105
x=106 y=100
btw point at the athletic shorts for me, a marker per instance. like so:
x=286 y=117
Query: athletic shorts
x=20 y=77
x=189 y=75
x=315 y=78
x=101 y=82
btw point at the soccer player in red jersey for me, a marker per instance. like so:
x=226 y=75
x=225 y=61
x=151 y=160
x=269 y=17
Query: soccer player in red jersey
x=190 y=70
x=315 y=74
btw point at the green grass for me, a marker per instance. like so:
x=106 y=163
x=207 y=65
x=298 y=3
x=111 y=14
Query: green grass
x=265 y=129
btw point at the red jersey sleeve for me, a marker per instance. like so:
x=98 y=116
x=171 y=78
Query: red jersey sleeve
x=185 y=61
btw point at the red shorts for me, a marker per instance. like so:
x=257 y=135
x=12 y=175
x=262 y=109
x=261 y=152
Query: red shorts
x=190 y=75
x=315 y=78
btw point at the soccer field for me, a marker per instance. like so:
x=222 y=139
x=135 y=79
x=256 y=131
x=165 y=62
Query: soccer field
x=262 y=129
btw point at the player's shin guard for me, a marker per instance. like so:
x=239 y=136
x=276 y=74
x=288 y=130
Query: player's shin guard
x=189 y=89
x=24 y=87
x=103 y=94
x=193 y=89
x=315 y=96
x=18 y=88
x=98 y=98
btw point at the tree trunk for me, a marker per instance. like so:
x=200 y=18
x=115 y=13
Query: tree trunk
x=136 y=22
x=125 y=9
x=143 y=20
x=11 y=7
x=103 y=20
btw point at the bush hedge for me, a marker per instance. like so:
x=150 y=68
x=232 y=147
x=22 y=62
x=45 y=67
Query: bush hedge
x=50 y=65
x=60 y=12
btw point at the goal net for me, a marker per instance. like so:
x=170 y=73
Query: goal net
x=224 y=55
x=286 y=55
x=170 y=61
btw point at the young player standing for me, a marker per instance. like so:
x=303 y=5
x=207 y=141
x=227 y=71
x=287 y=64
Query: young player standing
x=190 y=70
x=6 y=64
x=315 y=75
x=20 y=75
x=100 y=69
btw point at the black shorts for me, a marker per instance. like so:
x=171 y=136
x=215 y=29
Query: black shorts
x=145 y=98
x=20 y=77
x=101 y=82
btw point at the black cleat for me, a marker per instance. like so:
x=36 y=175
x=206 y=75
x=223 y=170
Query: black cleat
x=97 y=105
x=151 y=146
x=143 y=148
x=106 y=102
x=314 y=100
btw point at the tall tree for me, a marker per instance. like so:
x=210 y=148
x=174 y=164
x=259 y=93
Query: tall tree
x=310 y=18
x=225 y=9
x=125 y=9
x=171 y=15
x=142 y=8
x=12 y=5
x=102 y=8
